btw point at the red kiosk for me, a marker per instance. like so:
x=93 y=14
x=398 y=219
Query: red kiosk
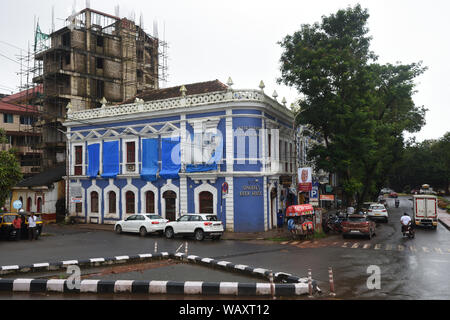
x=300 y=220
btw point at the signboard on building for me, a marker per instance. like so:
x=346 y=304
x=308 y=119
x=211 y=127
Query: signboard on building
x=76 y=200
x=286 y=181
x=327 y=197
x=304 y=179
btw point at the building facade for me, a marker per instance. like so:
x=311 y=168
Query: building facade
x=95 y=56
x=17 y=121
x=199 y=148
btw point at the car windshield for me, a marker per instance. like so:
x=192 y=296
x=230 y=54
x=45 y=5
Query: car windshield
x=211 y=218
x=7 y=219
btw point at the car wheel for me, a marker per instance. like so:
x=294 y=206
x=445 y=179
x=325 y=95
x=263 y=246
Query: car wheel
x=118 y=229
x=142 y=232
x=199 y=235
x=169 y=233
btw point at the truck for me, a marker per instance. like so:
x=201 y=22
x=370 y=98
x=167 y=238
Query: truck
x=425 y=210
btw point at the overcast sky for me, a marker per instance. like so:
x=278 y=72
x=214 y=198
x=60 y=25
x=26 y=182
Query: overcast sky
x=212 y=39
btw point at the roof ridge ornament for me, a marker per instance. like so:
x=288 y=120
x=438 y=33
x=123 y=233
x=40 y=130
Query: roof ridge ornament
x=230 y=82
x=262 y=85
x=183 y=91
x=275 y=94
x=103 y=102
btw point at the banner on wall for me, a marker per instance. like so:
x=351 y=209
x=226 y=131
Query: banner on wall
x=304 y=179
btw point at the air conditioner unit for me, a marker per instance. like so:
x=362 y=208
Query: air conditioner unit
x=131 y=167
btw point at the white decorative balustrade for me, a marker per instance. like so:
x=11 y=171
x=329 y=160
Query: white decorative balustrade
x=179 y=102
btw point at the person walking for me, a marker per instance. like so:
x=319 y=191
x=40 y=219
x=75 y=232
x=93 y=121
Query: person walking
x=17 y=224
x=32 y=227
x=280 y=218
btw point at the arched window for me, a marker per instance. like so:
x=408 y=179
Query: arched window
x=39 y=205
x=206 y=200
x=112 y=202
x=94 y=201
x=129 y=196
x=150 y=202
x=170 y=198
x=29 y=204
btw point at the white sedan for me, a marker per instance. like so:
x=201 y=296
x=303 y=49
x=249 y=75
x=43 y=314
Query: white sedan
x=142 y=224
x=378 y=211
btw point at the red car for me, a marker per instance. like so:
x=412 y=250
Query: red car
x=393 y=195
x=358 y=224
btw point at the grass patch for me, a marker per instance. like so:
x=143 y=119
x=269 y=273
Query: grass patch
x=319 y=235
x=279 y=239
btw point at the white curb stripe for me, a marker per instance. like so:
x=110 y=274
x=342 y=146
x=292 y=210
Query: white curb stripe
x=207 y=260
x=145 y=255
x=223 y=263
x=123 y=286
x=122 y=258
x=263 y=288
x=179 y=254
x=70 y=262
x=157 y=287
x=55 y=285
x=21 y=284
x=89 y=285
x=301 y=288
x=97 y=260
x=259 y=270
x=240 y=266
x=10 y=267
x=192 y=257
x=38 y=265
x=230 y=288
x=193 y=287
x=165 y=254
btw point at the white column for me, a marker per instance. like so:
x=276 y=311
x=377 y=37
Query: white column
x=266 y=225
x=229 y=141
x=183 y=180
x=230 y=205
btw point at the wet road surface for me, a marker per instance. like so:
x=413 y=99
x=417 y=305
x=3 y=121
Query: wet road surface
x=410 y=268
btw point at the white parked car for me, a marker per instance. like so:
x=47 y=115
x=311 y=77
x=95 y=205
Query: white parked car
x=198 y=225
x=378 y=211
x=142 y=224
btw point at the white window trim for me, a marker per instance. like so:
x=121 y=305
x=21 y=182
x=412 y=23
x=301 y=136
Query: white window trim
x=107 y=190
x=205 y=187
x=83 y=161
x=171 y=187
x=129 y=187
x=124 y=155
x=96 y=188
x=149 y=187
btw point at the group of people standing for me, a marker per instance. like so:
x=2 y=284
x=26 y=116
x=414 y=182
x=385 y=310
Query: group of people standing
x=17 y=224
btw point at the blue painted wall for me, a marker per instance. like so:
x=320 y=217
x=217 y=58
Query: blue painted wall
x=248 y=210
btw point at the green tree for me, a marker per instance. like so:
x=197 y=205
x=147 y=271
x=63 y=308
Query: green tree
x=359 y=107
x=10 y=172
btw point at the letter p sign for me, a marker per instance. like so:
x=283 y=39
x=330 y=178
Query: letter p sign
x=374 y=280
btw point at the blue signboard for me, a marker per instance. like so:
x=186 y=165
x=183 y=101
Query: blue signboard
x=314 y=193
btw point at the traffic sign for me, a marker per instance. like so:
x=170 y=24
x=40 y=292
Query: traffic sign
x=225 y=187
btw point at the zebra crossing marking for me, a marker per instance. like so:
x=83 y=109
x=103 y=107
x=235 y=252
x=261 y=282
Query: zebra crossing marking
x=388 y=247
x=367 y=246
x=400 y=247
x=345 y=245
x=412 y=248
x=377 y=246
x=295 y=242
x=425 y=249
x=355 y=246
x=438 y=250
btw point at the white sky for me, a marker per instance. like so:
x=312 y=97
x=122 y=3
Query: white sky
x=215 y=39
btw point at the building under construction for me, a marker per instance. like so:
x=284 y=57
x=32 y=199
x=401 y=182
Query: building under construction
x=95 y=56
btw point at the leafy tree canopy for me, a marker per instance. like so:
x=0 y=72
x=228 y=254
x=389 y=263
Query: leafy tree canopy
x=360 y=107
x=10 y=172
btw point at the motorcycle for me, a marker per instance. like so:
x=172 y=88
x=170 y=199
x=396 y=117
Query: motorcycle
x=397 y=203
x=334 y=223
x=408 y=231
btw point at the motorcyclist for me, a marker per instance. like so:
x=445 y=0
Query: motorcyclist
x=405 y=220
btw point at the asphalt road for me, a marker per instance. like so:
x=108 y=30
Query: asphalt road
x=409 y=268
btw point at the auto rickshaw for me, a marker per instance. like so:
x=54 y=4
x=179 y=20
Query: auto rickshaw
x=301 y=220
x=39 y=224
x=6 y=225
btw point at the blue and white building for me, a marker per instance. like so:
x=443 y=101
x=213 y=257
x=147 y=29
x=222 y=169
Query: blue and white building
x=203 y=147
